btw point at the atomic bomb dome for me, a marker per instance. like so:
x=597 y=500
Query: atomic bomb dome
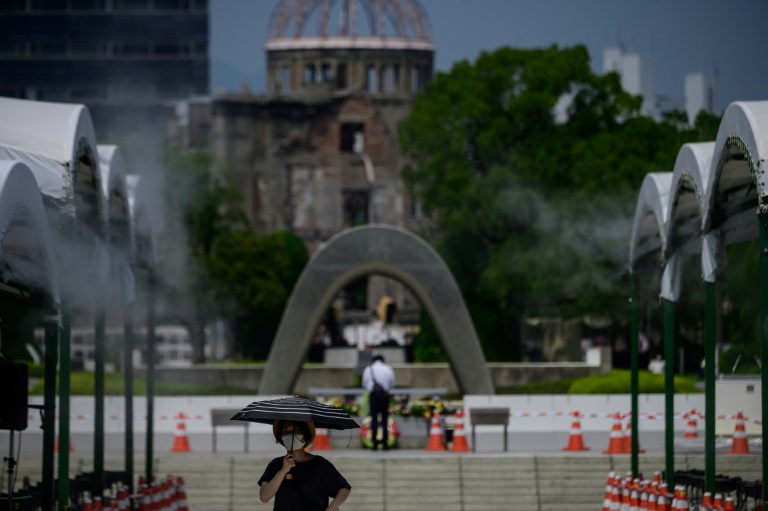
x=382 y=46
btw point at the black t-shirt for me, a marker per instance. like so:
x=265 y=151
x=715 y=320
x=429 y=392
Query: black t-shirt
x=314 y=482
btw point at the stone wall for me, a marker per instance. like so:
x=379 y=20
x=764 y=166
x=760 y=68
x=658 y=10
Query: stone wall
x=406 y=375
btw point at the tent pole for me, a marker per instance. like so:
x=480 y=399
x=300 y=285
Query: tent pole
x=709 y=385
x=128 y=378
x=635 y=384
x=763 y=222
x=98 y=381
x=669 y=390
x=52 y=326
x=150 y=371
x=64 y=391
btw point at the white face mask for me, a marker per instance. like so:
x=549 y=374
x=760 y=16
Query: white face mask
x=298 y=441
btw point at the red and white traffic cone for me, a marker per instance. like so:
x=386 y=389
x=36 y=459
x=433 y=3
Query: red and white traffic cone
x=691 y=427
x=459 y=435
x=181 y=495
x=729 y=505
x=740 y=445
x=56 y=444
x=576 y=440
x=322 y=441
x=608 y=492
x=616 y=443
x=180 y=441
x=436 y=441
x=706 y=502
x=628 y=439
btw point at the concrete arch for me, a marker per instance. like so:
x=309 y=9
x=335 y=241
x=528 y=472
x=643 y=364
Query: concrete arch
x=385 y=250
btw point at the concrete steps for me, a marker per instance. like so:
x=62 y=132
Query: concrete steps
x=418 y=481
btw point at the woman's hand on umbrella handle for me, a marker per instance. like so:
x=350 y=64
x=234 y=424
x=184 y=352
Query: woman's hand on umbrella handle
x=288 y=463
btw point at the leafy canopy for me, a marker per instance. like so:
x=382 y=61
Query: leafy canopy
x=528 y=164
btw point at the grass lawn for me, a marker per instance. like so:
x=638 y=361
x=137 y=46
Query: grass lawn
x=615 y=382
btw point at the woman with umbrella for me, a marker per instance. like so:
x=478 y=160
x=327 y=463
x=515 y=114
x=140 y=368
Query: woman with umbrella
x=300 y=481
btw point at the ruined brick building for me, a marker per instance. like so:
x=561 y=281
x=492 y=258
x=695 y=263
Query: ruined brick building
x=318 y=152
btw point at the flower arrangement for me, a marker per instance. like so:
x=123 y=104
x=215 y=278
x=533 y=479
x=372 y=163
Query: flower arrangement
x=399 y=405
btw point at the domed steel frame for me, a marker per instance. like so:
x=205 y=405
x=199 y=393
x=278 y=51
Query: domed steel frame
x=393 y=55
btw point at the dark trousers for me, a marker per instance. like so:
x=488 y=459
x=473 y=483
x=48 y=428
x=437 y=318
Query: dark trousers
x=379 y=418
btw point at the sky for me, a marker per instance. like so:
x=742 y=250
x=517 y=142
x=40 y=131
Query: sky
x=678 y=36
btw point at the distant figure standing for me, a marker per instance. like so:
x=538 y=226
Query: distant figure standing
x=379 y=380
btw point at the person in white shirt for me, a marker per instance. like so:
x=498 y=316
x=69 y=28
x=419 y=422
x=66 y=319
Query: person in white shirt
x=383 y=375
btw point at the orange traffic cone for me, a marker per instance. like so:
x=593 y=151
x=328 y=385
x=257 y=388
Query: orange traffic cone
x=634 y=499
x=740 y=445
x=181 y=442
x=691 y=427
x=616 y=444
x=459 y=436
x=644 y=494
x=628 y=439
x=181 y=495
x=729 y=506
x=575 y=441
x=436 y=442
x=87 y=504
x=608 y=492
x=653 y=494
x=706 y=502
x=56 y=445
x=322 y=441
x=97 y=504
x=615 y=498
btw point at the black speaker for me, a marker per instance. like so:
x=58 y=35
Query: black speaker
x=14 y=391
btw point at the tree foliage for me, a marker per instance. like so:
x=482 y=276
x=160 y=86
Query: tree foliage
x=529 y=165
x=225 y=269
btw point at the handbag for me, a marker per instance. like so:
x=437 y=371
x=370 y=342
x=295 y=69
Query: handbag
x=380 y=393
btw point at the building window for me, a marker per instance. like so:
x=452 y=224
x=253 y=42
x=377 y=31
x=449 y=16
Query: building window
x=349 y=133
x=309 y=73
x=326 y=73
x=355 y=207
x=341 y=76
x=370 y=79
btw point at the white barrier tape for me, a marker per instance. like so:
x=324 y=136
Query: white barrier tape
x=594 y=415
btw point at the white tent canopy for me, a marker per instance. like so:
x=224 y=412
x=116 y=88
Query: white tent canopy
x=712 y=197
x=56 y=141
x=26 y=246
x=649 y=225
x=142 y=226
x=113 y=186
x=117 y=217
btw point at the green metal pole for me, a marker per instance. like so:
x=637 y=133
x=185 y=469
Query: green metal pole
x=763 y=219
x=635 y=384
x=128 y=376
x=52 y=325
x=64 y=391
x=669 y=391
x=150 y=371
x=709 y=387
x=98 y=381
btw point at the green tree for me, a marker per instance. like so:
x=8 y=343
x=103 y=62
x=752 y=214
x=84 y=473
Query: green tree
x=529 y=165
x=252 y=277
x=216 y=266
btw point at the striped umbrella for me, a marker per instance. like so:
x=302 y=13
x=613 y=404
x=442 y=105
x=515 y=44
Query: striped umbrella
x=296 y=409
